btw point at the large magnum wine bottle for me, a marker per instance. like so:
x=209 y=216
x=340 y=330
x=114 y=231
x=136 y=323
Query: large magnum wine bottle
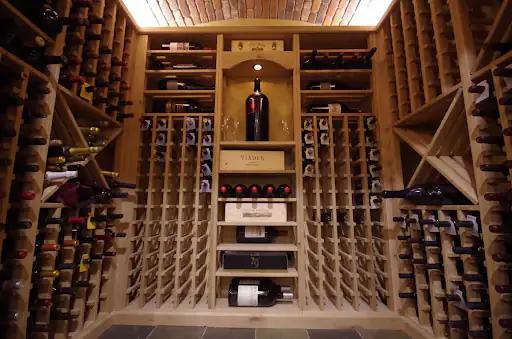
x=429 y=195
x=256 y=108
x=256 y=292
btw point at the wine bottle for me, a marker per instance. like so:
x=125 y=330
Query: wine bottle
x=55 y=151
x=182 y=46
x=490 y=139
x=172 y=83
x=365 y=61
x=432 y=194
x=225 y=191
x=255 y=191
x=52 y=176
x=284 y=191
x=311 y=62
x=7 y=132
x=256 y=292
x=268 y=191
x=329 y=108
x=501 y=47
x=407 y=295
x=257 y=113
x=257 y=234
x=498 y=196
x=503 y=168
x=240 y=191
x=325 y=85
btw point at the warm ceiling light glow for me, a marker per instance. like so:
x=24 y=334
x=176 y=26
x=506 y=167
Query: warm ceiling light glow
x=257 y=67
x=144 y=14
x=369 y=12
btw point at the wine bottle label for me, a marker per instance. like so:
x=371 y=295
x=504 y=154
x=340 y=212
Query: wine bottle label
x=85 y=93
x=190 y=124
x=310 y=153
x=309 y=138
x=160 y=139
x=308 y=125
x=415 y=225
x=450 y=230
x=247 y=295
x=376 y=186
x=374 y=171
x=207 y=140
x=207 y=125
x=371 y=123
x=206 y=154
x=373 y=155
x=486 y=92
x=375 y=202
x=84 y=263
x=309 y=170
x=206 y=170
x=254 y=232
x=171 y=84
x=323 y=124
x=474 y=229
x=460 y=294
x=432 y=227
x=205 y=186
x=324 y=139
x=161 y=125
x=334 y=108
x=191 y=139
x=325 y=85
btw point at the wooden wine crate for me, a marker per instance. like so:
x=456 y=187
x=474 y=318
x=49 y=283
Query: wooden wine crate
x=249 y=160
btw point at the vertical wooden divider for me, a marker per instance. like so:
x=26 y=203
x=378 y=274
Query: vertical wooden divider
x=78 y=48
x=402 y=85
x=467 y=60
x=165 y=207
x=427 y=50
x=148 y=222
x=444 y=62
x=301 y=218
x=334 y=233
x=411 y=55
x=217 y=137
x=317 y=223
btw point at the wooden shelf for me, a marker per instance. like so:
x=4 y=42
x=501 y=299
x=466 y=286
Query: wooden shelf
x=273 y=247
x=190 y=72
x=12 y=12
x=180 y=93
x=287 y=223
x=257 y=145
x=356 y=94
x=289 y=273
x=269 y=200
x=199 y=52
x=418 y=139
x=252 y=172
x=84 y=109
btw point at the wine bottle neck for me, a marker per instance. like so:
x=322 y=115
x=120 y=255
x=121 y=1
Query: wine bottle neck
x=257 y=87
x=393 y=194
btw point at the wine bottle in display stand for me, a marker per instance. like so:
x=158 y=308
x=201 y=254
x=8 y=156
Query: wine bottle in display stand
x=257 y=292
x=256 y=107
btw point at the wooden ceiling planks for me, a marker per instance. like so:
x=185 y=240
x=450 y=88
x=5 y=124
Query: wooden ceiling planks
x=194 y=12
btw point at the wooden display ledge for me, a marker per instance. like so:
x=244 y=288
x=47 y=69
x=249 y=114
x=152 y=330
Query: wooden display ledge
x=278 y=316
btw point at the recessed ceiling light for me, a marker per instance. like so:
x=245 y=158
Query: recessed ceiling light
x=257 y=67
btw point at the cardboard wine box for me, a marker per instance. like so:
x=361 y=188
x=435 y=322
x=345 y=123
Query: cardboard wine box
x=257 y=45
x=237 y=160
x=255 y=212
x=255 y=260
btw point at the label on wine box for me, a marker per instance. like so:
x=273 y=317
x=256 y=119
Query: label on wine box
x=247 y=295
x=254 y=231
x=235 y=160
x=85 y=93
x=257 y=45
x=255 y=212
x=485 y=94
x=474 y=229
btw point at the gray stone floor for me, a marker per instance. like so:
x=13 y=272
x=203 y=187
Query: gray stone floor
x=191 y=332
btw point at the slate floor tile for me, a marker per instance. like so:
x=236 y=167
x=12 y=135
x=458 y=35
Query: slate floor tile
x=127 y=332
x=177 y=332
x=384 y=334
x=281 y=333
x=229 y=333
x=334 y=334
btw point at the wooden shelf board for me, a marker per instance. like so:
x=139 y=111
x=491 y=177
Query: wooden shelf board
x=13 y=13
x=256 y=247
x=85 y=109
x=337 y=94
x=200 y=52
x=206 y=93
x=285 y=59
x=431 y=113
x=269 y=200
x=419 y=140
x=52 y=205
x=290 y=272
x=334 y=51
x=408 y=206
x=195 y=72
x=33 y=72
x=257 y=145
x=455 y=170
x=252 y=172
x=424 y=173
x=286 y=223
x=483 y=72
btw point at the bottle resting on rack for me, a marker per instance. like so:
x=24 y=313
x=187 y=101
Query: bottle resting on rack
x=429 y=194
x=256 y=292
x=257 y=234
x=256 y=107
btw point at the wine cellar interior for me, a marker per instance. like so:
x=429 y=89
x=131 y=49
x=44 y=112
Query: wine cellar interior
x=329 y=176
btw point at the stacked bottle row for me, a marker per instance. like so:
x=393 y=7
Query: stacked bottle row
x=72 y=276
x=442 y=271
x=170 y=232
x=341 y=183
x=422 y=49
x=24 y=114
x=97 y=55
